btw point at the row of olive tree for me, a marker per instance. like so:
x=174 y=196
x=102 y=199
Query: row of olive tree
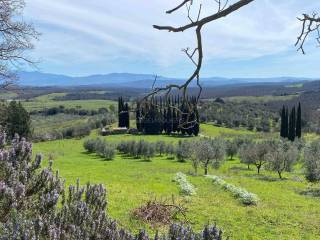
x=34 y=204
x=101 y=147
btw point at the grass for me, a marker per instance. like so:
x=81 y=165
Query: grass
x=45 y=124
x=47 y=101
x=260 y=99
x=282 y=212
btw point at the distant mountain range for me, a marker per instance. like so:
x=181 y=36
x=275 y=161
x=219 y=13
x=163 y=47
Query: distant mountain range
x=134 y=80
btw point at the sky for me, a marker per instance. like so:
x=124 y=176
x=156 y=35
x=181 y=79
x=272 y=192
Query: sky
x=80 y=37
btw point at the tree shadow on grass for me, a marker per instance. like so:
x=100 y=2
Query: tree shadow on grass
x=238 y=168
x=265 y=178
x=311 y=192
x=144 y=160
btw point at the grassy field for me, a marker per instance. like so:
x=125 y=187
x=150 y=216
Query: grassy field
x=281 y=214
x=260 y=99
x=47 y=101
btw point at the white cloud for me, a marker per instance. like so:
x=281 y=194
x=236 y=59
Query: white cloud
x=93 y=31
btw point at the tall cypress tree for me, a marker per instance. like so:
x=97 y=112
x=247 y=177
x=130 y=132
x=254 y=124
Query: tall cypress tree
x=292 y=125
x=286 y=122
x=138 y=117
x=299 y=123
x=283 y=123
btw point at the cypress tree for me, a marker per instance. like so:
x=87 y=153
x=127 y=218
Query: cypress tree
x=283 y=124
x=286 y=124
x=299 y=124
x=292 y=125
x=138 y=117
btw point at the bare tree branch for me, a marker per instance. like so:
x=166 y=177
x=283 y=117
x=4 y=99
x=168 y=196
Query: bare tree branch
x=310 y=25
x=15 y=40
x=222 y=11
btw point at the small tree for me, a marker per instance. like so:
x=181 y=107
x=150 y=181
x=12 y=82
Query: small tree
x=18 y=120
x=209 y=152
x=261 y=150
x=90 y=145
x=183 y=151
x=312 y=161
x=282 y=157
x=247 y=154
x=231 y=149
x=160 y=147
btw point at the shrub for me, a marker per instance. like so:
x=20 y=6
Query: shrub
x=243 y=195
x=109 y=151
x=186 y=188
x=90 y=145
x=183 y=151
x=160 y=147
x=312 y=161
x=100 y=147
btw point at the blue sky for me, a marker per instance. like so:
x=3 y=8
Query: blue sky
x=81 y=37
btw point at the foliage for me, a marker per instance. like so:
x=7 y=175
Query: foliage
x=252 y=116
x=243 y=195
x=231 y=149
x=123 y=114
x=101 y=147
x=90 y=145
x=29 y=200
x=17 y=120
x=208 y=152
x=137 y=149
x=170 y=116
x=70 y=128
x=186 y=188
x=291 y=124
x=312 y=161
x=145 y=180
x=282 y=157
x=256 y=153
x=183 y=151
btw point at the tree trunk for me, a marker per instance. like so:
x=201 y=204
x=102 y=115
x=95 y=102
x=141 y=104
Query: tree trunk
x=258 y=167
x=206 y=170
x=248 y=166
x=280 y=175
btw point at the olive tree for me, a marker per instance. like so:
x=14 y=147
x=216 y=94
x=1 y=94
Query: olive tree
x=209 y=152
x=282 y=157
x=231 y=149
x=247 y=154
x=312 y=161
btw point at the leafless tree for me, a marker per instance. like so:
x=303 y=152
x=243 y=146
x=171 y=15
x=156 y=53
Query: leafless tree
x=224 y=8
x=196 y=55
x=310 y=26
x=15 y=39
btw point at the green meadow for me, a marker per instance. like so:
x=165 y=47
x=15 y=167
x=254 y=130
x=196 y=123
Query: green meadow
x=282 y=212
x=48 y=101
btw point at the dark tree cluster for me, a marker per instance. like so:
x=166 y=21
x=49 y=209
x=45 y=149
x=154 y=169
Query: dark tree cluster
x=15 y=119
x=173 y=116
x=123 y=113
x=291 y=123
